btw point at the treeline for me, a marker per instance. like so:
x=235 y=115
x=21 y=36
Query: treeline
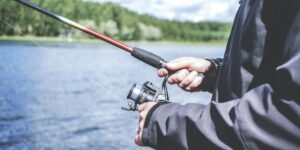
x=108 y=18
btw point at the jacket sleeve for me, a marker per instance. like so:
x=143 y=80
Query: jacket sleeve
x=266 y=117
x=209 y=81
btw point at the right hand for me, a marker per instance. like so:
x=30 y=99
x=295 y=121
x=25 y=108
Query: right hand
x=188 y=74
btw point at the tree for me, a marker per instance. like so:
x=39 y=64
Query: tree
x=109 y=18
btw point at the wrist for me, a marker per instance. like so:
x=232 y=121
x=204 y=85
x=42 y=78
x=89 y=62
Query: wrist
x=211 y=68
x=209 y=81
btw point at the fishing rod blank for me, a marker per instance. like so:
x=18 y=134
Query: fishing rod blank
x=145 y=56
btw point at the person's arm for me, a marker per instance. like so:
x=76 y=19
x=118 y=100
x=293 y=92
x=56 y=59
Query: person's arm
x=267 y=117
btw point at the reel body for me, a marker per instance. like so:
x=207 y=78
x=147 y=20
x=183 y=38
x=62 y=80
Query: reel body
x=146 y=93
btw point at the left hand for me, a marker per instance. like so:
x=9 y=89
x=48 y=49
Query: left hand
x=143 y=110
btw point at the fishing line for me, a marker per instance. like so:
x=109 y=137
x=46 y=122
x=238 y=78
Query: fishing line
x=64 y=62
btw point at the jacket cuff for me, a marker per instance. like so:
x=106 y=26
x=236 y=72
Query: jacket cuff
x=151 y=111
x=210 y=77
x=149 y=135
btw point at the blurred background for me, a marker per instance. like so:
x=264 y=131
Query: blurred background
x=62 y=89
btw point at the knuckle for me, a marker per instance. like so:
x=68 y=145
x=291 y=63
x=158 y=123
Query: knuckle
x=172 y=76
x=192 y=86
x=142 y=117
x=177 y=79
x=185 y=71
x=188 y=80
x=172 y=79
x=182 y=75
x=183 y=84
x=197 y=66
x=159 y=73
x=195 y=84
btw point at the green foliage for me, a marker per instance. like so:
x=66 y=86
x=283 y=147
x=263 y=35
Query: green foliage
x=108 y=18
x=109 y=28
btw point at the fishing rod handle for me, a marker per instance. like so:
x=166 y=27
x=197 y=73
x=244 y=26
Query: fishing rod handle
x=149 y=58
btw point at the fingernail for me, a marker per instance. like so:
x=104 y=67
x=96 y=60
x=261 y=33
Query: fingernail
x=160 y=72
x=188 y=88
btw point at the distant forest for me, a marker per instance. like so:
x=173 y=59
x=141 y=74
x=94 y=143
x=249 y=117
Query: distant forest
x=108 y=18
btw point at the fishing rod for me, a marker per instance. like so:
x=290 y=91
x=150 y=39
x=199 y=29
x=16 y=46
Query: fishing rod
x=137 y=95
x=143 y=55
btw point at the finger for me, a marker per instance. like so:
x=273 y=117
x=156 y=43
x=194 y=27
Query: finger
x=178 y=76
x=189 y=79
x=140 y=127
x=162 y=72
x=182 y=74
x=195 y=84
x=172 y=78
x=137 y=130
x=140 y=118
x=138 y=137
x=143 y=115
x=141 y=107
x=138 y=140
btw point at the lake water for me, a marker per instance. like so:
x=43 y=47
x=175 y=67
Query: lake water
x=68 y=95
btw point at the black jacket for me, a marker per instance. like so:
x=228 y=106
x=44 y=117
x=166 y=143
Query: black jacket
x=256 y=93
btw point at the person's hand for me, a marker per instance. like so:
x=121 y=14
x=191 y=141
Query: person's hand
x=188 y=74
x=143 y=110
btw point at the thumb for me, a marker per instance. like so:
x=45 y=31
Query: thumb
x=177 y=65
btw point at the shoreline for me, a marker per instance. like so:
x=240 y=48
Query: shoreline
x=93 y=41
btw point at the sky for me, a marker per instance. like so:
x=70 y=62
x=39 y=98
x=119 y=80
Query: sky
x=183 y=10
